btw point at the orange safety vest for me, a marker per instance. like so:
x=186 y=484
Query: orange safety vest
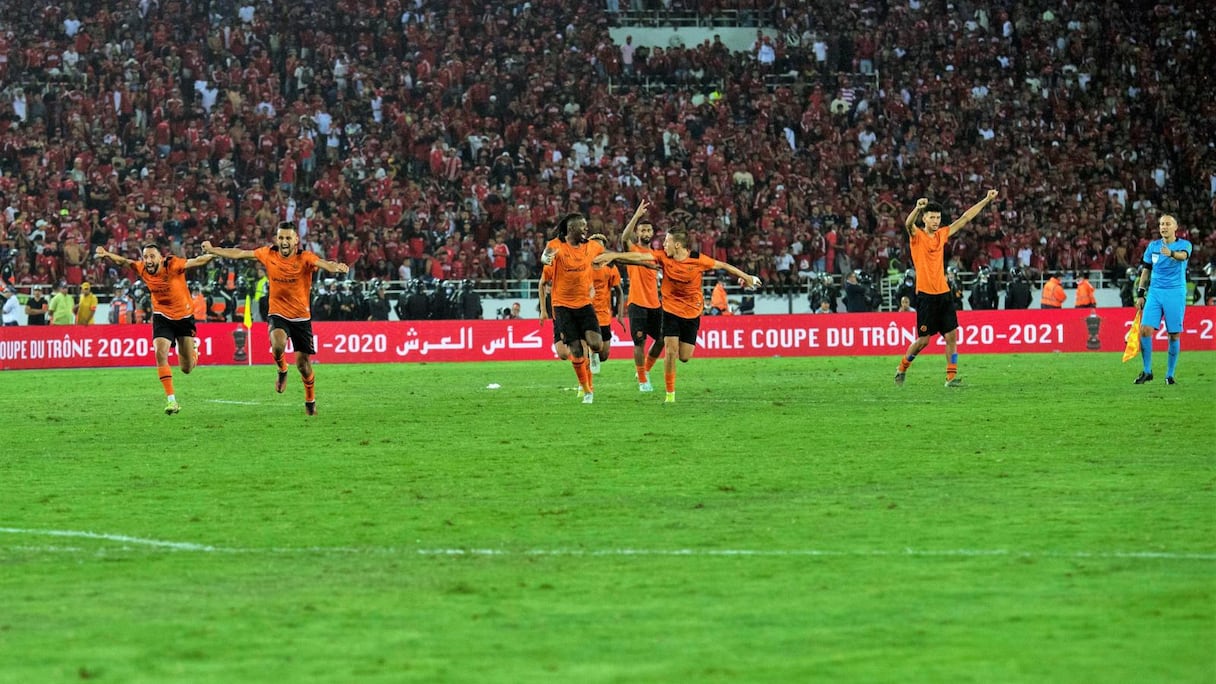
x=200 y=307
x=1085 y=295
x=718 y=300
x=1053 y=295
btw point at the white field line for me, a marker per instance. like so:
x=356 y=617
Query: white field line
x=232 y=401
x=131 y=543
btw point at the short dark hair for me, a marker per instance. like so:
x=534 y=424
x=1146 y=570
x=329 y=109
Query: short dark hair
x=286 y=225
x=932 y=207
x=150 y=245
x=679 y=235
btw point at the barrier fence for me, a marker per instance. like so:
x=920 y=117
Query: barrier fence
x=980 y=332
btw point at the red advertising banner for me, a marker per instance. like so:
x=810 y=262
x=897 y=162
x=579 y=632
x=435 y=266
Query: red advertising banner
x=980 y=332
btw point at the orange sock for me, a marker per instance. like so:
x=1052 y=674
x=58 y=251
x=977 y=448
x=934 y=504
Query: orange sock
x=578 y=364
x=310 y=392
x=903 y=364
x=584 y=370
x=669 y=376
x=641 y=373
x=650 y=361
x=166 y=379
x=281 y=362
x=951 y=370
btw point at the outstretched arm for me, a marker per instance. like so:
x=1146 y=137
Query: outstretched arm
x=971 y=213
x=332 y=266
x=914 y=216
x=199 y=260
x=228 y=252
x=103 y=253
x=624 y=257
x=628 y=237
x=745 y=279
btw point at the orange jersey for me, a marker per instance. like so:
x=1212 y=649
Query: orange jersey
x=572 y=273
x=604 y=279
x=929 y=258
x=170 y=295
x=643 y=283
x=290 y=282
x=682 y=295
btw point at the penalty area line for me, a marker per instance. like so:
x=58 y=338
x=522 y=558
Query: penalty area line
x=131 y=543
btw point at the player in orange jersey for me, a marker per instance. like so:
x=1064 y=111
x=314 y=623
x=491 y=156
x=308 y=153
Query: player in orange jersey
x=606 y=283
x=645 y=312
x=935 y=311
x=574 y=318
x=172 y=311
x=290 y=272
x=683 y=298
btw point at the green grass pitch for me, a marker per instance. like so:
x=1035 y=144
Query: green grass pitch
x=788 y=520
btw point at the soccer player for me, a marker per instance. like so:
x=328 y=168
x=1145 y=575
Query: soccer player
x=290 y=271
x=172 y=311
x=645 y=313
x=935 y=309
x=683 y=298
x=1164 y=276
x=606 y=282
x=574 y=319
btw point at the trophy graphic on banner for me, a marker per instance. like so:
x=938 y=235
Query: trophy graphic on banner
x=1093 y=323
x=240 y=337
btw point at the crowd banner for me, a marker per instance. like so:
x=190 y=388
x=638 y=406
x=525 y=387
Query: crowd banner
x=980 y=332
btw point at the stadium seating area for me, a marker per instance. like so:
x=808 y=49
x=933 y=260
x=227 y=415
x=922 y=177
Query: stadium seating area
x=407 y=138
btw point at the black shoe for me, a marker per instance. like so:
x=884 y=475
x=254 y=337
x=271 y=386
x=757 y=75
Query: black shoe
x=310 y=408
x=1144 y=377
x=1170 y=381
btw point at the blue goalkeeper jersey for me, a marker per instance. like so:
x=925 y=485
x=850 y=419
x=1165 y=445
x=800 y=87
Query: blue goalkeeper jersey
x=1168 y=272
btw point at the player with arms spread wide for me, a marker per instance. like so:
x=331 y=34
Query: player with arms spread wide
x=683 y=299
x=290 y=272
x=935 y=312
x=172 y=310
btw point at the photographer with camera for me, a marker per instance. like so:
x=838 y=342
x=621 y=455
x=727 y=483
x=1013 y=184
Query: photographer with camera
x=509 y=313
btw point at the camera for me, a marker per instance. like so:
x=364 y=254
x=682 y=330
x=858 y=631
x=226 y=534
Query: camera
x=504 y=313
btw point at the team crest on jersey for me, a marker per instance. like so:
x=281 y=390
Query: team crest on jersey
x=1156 y=257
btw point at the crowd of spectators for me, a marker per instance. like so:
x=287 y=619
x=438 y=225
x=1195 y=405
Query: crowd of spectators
x=419 y=138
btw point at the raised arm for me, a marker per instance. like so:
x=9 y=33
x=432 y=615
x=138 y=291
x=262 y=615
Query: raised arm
x=628 y=237
x=914 y=216
x=228 y=252
x=199 y=260
x=972 y=212
x=103 y=253
x=745 y=279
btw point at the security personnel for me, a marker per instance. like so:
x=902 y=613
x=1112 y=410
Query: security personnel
x=1017 y=296
x=1053 y=296
x=1085 y=295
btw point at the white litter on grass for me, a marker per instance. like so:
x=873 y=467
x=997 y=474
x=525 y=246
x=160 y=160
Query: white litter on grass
x=493 y=385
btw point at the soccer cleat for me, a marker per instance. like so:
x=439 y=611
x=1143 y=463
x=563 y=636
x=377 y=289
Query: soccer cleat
x=899 y=378
x=588 y=398
x=956 y=382
x=310 y=408
x=670 y=398
x=172 y=408
x=1169 y=380
x=1143 y=378
x=581 y=392
x=281 y=383
x=645 y=387
x=595 y=364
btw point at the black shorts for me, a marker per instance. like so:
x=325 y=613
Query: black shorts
x=644 y=322
x=299 y=332
x=606 y=332
x=171 y=329
x=684 y=328
x=572 y=325
x=935 y=314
